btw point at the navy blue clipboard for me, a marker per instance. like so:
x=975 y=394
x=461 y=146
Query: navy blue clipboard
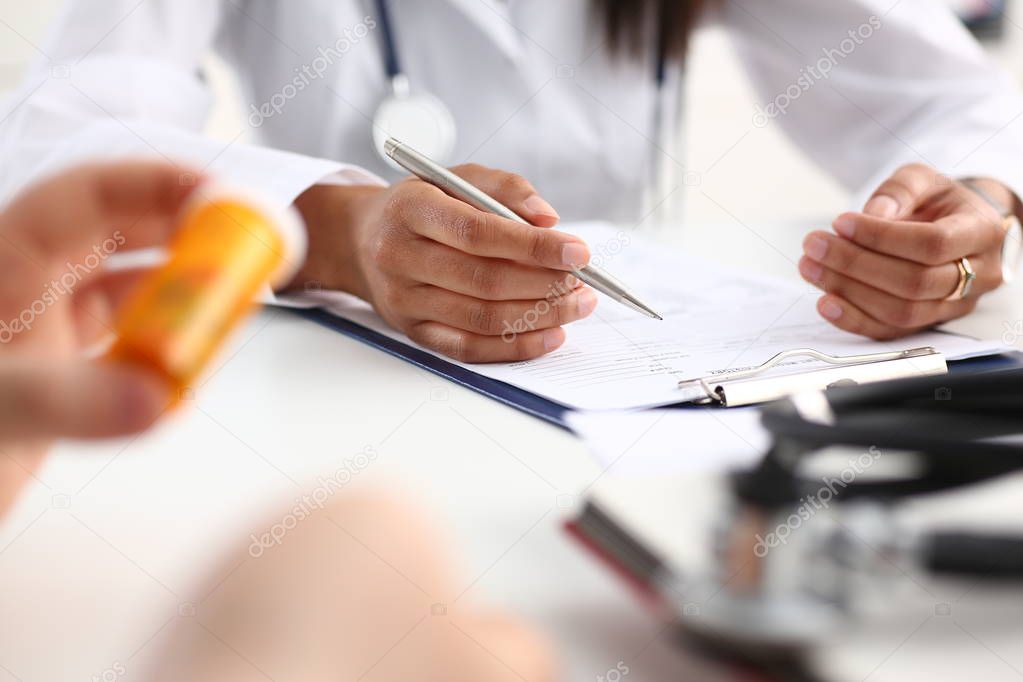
x=513 y=396
x=522 y=399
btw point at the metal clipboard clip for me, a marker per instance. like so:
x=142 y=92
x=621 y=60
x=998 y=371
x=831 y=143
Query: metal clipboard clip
x=748 y=386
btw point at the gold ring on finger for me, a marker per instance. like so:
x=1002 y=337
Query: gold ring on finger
x=967 y=275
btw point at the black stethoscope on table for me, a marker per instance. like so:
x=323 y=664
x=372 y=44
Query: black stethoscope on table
x=960 y=430
x=933 y=434
x=426 y=124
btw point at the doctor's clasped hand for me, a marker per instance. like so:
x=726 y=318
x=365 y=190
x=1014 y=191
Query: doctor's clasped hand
x=922 y=252
x=453 y=278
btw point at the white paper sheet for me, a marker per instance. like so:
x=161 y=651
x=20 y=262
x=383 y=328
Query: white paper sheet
x=715 y=319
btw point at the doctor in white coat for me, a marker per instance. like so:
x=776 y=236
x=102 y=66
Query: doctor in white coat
x=580 y=97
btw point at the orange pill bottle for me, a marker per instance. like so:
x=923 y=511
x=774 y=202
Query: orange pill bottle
x=226 y=251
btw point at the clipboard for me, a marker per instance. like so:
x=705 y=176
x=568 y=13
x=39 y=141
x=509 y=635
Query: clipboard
x=555 y=413
x=500 y=391
x=751 y=386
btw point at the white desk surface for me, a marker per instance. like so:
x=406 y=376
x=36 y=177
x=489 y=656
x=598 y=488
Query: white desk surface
x=103 y=550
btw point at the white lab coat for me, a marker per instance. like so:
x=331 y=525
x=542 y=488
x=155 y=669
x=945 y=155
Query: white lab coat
x=529 y=83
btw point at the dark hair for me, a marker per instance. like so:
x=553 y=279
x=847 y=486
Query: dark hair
x=629 y=25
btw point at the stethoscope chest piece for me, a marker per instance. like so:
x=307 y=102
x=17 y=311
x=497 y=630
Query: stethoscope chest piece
x=419 y=119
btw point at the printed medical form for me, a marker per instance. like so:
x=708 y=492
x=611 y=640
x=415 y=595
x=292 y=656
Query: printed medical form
x=715 y=319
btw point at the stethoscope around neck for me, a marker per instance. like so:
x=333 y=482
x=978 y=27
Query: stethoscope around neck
x=426 y=124
x=418 y=119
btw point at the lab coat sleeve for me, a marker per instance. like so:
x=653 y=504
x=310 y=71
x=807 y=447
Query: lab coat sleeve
x=865 y=86
x=122 y=78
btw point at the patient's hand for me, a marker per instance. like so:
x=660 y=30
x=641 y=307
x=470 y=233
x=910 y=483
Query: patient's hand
x=889 y=270
x=55 y=299
x=363 y=589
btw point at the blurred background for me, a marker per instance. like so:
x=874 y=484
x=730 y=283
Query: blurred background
x=763 y=177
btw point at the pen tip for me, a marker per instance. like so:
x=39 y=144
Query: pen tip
x=658 y=317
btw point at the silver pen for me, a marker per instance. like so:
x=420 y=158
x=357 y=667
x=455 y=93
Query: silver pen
x=435 y=174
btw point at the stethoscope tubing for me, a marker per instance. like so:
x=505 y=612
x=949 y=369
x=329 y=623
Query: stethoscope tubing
x=392 y=60
x=388 y=42
x=953 y=437
x=661 y=173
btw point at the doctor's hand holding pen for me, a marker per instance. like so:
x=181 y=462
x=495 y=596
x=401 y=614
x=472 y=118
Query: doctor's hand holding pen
x=922 y=252
x=466 y=283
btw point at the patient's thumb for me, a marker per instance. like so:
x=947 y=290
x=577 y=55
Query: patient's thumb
x=78 y=399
